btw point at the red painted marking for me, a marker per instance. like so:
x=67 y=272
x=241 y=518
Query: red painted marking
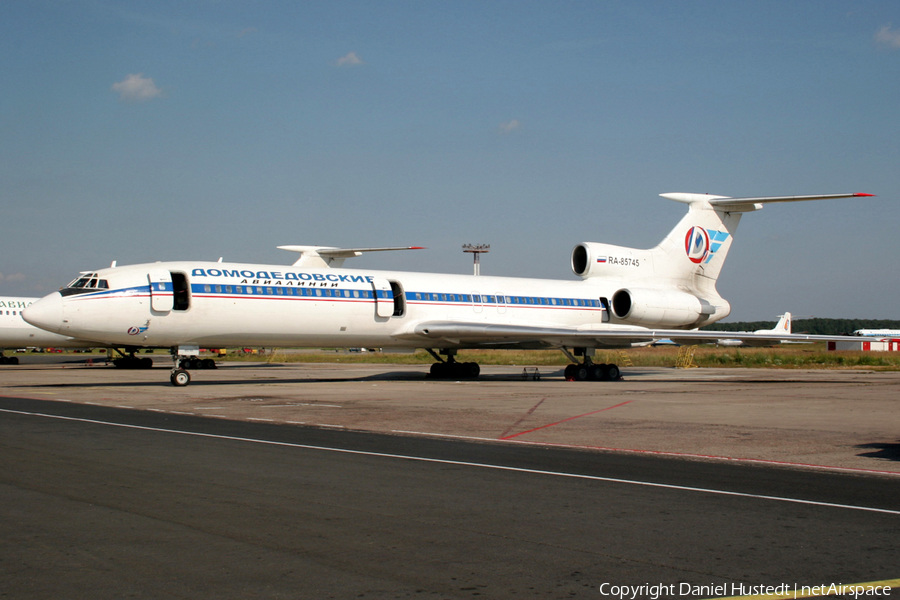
x=522 y=418
x=593 y=412
x=708 y=457
x=863 y=194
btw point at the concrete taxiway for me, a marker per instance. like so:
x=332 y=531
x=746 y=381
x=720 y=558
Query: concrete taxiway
x=843 y=419
x=101 y=502
x=373 y=481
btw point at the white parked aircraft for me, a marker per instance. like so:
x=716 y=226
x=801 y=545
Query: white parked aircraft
x=626 y=297
x=16 y=333
x=783 y=326
x=881 y=333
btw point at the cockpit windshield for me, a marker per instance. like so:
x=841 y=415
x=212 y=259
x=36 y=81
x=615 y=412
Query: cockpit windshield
x=87 y=282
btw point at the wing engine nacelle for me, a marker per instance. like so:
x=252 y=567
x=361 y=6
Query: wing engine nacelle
x=663 y=308
x=590 y=259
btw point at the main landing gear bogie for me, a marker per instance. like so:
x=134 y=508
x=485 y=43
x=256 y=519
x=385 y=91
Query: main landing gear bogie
x=455 y=370
x=592 y=372
x=587 y=369
x=195 y=363
x=450 y=369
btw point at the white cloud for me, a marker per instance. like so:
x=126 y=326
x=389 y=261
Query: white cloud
x=510 y=126
x=887 y=37
x=136 y=88
x=351 y=59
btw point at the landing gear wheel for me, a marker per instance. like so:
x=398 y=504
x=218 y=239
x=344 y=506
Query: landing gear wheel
x=13 y=360
x=180 y=378
x=570 y=372
x=598 y=372
x=581 y=373
x=612 y=372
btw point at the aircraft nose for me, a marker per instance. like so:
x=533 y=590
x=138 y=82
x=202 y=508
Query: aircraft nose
x=46 y=313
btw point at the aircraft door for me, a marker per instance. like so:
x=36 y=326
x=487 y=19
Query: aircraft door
x=384 y=297
x=161 y=295
x=501 y=304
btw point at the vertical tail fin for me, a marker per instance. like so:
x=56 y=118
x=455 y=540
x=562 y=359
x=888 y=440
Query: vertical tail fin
x=691 y=256
x=693 y=253
x=784 y=323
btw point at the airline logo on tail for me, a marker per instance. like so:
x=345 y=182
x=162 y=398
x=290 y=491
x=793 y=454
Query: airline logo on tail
x=700 y=244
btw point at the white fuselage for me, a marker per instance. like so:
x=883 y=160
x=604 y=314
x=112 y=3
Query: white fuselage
x=214 y=304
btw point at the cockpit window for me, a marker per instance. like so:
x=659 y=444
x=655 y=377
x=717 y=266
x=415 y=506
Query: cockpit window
x=88 y=282
x=81 y=282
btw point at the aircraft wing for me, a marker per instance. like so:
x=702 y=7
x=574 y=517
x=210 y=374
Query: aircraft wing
x=498 y=335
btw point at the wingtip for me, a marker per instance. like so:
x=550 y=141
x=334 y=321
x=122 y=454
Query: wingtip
x=861 y=194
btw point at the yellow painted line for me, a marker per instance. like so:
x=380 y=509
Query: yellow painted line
x=858 y=589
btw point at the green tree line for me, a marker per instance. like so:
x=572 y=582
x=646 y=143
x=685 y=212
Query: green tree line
x=813 y=326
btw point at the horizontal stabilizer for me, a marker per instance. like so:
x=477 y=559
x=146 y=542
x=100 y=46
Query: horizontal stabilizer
x=331 y=256
x=730 y=202
x=754 y=203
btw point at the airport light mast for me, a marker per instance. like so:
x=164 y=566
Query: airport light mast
x=476 y=251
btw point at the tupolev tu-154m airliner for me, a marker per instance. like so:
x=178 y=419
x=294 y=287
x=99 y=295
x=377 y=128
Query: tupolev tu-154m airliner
x=626 y=298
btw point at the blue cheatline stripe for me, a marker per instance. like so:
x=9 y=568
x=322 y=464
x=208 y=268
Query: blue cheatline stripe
x=425 y=298
x=140 y=290
x=259 y=291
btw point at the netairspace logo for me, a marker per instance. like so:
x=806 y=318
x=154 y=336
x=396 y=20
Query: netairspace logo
x=784 y=590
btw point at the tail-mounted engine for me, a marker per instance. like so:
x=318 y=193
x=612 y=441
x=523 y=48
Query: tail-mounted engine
x=590 y=259
x=661 y=308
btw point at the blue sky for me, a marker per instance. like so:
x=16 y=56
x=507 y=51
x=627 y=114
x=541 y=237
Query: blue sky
x=144 y=131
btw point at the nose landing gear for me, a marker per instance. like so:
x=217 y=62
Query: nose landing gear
x=187 y=357
x=180 y=377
